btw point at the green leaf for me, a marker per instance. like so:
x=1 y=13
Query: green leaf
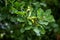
x=50 y=18
x=43 y=4
x=22 y=30
x=17 y=4
x=29 y=22
x=28 y=27
x=48 y=12
x=42 y=30
x=13 y=19
x=43 y=23
x=13 y=10
x=40 y=13
x=20 y=19
x=21 y=13
x=37 y=31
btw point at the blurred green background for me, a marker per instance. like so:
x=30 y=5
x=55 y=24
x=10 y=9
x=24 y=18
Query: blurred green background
x=29 y=19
